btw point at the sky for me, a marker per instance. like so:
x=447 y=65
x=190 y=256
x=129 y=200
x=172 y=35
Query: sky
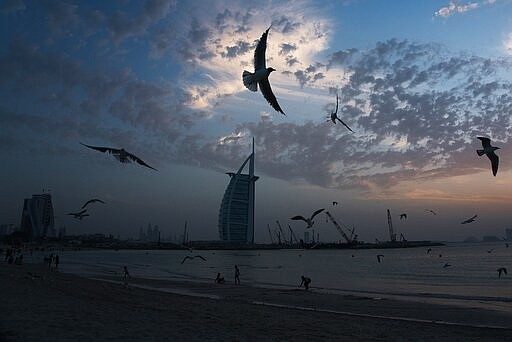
x=418 y=81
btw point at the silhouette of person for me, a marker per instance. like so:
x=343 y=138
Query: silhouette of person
x=126 y=273
x=219 y=279
x=305 y=281
x=56 y=261
x=237 y=275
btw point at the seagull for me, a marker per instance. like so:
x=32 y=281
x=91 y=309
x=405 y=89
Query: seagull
x=309 y=221
x=431 y=211
x=334 y=116
x=489 y=151
x=79 y=215
x=92 y=201
x=192 y=257
x=261 y=74
x=501 y=270
x=121 y=155
x=429 y=250
x=379 y=257
x=490 y=250
x=446 y=265
x=404 y=215
x=334 y=203
x=469 y=220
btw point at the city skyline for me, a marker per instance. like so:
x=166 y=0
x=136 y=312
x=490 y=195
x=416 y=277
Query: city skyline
x=418 y=82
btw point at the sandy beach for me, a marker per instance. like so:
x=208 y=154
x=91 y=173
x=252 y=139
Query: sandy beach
x=39 y=305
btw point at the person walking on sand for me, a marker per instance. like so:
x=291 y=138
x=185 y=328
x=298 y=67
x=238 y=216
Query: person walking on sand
x=305 y=281
x=219 y=279
x=237 y=275
x=56 y=261
x=126 y=273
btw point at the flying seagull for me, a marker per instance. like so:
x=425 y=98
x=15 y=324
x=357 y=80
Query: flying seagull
x=309 y=221
x=446 y=265
x=379 y=257
x=192 y=257
x=501 y=270
x=489 y=151
x=92 y=201
x=334 y=116
x=404 y=215
x=121 y=155
x=469 y=220
x=490 y=250
x=429 y=250
x=261 y=74
x=431 y=211
x=334 y=203
x=79 y=215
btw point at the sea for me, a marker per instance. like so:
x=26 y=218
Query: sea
x=471 y=279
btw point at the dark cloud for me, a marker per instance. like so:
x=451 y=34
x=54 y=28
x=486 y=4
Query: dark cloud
x=240 y=48
x=285 y=24
x=286 y=48
x=12 y=6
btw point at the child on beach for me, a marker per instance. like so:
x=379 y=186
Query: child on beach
x=219 y=279
x=305 y=281
x=126 y=273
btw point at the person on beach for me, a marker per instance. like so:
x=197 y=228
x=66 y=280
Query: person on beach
x=126 y=273
x=56 y=261
x=237 y=275
x=219 y=279
x=50 y=261
x=305 y=281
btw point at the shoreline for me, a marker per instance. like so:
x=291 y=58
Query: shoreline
x=62 y=307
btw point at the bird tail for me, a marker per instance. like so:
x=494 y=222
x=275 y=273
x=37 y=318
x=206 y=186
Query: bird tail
x=249 y=82
x=480 y=152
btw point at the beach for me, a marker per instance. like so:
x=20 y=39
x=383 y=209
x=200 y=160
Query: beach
x=43 y=305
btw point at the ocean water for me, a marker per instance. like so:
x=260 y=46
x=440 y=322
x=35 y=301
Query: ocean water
x=409 y=272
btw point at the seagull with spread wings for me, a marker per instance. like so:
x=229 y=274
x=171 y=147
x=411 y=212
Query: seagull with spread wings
x=121 y=155
x=403 y=216
x=489 y=151
x=261 y=74
x=92 y=201
x=334 y=116
x=501 y=270
x=192 y=257
x=431 y=211
x=469 y=220
x=309 y=220
x=79 y=215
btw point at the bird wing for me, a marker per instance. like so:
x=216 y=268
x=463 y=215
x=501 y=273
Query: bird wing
x=102 y=149
x=138 y=160
x=344 y=124
x=486 y=142
x=185 y=258
x=259 y=53
x=298 y=217
x=266 y=90
x=200 y=257
x=495 y=160
x=317 y=212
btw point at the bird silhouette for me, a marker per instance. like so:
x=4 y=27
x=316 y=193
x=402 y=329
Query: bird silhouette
x=379 y=257
x=403 y=216
x=94 y=200
x=446 y=265
x=79 y=215
x=429 y=250
x=501 y=270
x=334 y=203
x=490 y=250
x=261 y=74
x=469 y=220
x=489 y=151
x=309 y=220
x=121 y=155
x=334 y=116
x=192 y=257
x=431 y=211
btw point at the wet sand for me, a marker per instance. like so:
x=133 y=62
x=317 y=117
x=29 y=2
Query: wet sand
x=38 y=305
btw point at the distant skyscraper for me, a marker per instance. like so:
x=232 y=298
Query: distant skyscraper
x=37 y=218
x=508 y=233
x=236 y=215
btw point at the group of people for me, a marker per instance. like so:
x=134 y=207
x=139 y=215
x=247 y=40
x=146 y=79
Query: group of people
x=305 y=281
x=53 y=261
x=13 y=256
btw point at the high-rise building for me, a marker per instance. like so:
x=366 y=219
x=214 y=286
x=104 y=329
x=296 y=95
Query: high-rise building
x=508 y=234
x=236 y=214
x=37 y=218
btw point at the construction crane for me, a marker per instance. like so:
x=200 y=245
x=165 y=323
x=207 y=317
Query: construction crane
x=338 y=227
x=281 y=231
x=270 y=233
x=392 y=235
x=292 y=236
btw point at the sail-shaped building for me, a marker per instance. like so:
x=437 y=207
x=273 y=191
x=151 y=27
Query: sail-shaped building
x=236 y=215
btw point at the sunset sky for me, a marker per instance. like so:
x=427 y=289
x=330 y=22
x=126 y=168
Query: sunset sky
x=418 y=82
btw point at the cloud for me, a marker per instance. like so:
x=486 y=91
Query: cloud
x=12 y=6
x=454 y=8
